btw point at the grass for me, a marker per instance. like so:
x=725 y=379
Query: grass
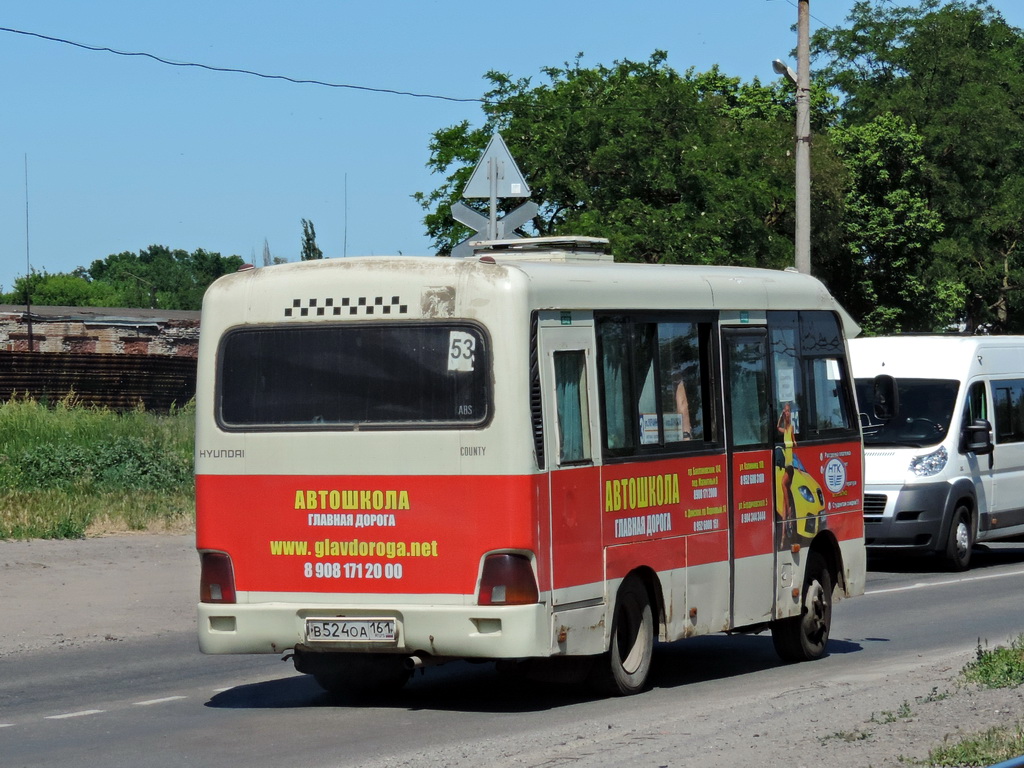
x=999 y=667
x=904 y=712
x=847 y=736
x=996 y=745
x=68 y=470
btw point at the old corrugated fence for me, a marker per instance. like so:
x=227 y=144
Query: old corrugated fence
x=119 y=382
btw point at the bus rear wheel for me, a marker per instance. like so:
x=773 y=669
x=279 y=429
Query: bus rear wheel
x=804 y=637
x=626 y=666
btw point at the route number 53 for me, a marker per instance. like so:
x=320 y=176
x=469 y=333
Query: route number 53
x=461 y=351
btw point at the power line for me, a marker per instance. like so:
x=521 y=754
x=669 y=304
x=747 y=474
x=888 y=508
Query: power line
x=252 y=73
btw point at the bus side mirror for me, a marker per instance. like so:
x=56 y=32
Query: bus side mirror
x=977 y=438
x=885 y=397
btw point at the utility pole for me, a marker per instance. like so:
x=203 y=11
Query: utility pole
x=28 y=265
x=803 y=138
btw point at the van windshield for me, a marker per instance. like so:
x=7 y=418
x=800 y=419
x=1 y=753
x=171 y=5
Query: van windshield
x=924 y=416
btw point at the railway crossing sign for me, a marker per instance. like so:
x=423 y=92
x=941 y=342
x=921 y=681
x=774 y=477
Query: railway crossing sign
x=495 y=177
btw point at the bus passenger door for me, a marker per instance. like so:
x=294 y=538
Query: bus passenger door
x=751 y=474
x=569 y=404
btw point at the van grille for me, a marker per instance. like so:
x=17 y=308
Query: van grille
x=874 y=505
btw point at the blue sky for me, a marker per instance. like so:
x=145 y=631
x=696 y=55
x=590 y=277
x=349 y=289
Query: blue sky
x=124 y=152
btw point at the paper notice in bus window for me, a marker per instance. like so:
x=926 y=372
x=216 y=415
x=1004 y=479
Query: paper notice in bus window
x=648 y=428
x=461 y=351
x=785 y=384
x=673 y=427
x=832 y=369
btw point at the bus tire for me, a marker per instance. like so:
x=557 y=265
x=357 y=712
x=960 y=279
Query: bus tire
x=627 y=664
x=805 y=637
x=961 y=539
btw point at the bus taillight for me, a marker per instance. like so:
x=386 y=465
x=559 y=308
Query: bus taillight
x=217 y=578
x=508 y=579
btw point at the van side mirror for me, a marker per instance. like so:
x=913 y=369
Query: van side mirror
x=977 y=438
x=886 y=397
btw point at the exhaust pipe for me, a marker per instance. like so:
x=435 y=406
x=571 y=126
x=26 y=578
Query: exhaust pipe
x=412 y=663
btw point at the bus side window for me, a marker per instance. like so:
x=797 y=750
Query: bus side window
x=811 y=377
x=613 y=335
x=682 y=400
x=748 y=391
x=787 y=383
x=830 y=407
x=655 y=383
x=572 y=406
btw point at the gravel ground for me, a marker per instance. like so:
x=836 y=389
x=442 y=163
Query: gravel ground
x=73 y=592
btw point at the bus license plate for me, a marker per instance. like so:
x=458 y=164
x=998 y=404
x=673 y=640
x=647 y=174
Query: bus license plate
x=351 y=631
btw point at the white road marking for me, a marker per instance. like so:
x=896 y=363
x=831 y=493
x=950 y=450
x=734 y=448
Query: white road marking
x=946 y=583
x=82 y=713
x=164 y=700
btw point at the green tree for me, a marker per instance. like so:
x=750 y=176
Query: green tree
x=155 y=277
x=310 y=250
x=955 y=73
x=889 y=227
x=61 y=290
x=159 y=277
x=671 y=168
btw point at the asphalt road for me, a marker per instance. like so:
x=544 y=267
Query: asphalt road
x=153 y=700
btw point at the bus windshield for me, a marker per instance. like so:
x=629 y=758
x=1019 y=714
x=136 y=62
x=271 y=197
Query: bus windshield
x=356 y=376
x=924 y=416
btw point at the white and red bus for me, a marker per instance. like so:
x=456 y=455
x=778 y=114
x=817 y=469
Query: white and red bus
x=531 y=453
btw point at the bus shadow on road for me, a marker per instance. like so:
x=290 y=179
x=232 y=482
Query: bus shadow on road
x=717 y=657
x=468 y=687
x=457 y=686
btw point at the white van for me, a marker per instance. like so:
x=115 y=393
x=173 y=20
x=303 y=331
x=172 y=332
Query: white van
x=943 y=423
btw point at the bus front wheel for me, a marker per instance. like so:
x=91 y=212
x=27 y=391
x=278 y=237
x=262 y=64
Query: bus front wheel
x=804 y=637
x=628 y=662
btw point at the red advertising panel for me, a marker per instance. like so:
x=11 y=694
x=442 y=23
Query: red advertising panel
x=363 y=534
x=754 y=516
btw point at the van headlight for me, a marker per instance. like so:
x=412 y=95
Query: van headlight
x=929 y=464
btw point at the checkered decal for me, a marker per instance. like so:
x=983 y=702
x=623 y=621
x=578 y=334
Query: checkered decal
x=360 y=306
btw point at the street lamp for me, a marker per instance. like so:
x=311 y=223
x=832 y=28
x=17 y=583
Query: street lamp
x=782 y=68
x=802 y=80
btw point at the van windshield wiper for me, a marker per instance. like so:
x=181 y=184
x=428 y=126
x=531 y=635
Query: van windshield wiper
x=894 y=444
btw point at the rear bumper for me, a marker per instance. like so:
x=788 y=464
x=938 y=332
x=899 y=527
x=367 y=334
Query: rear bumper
x=491 y=632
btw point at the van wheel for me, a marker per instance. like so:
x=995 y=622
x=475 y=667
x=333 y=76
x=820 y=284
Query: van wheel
x=961 y=539
x=625 y=668
x=804 y=637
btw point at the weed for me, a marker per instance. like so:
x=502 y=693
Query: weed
x=995 y=745
x=934 y=695
x=847 y=736
x=1000 y=667
x=887 y=716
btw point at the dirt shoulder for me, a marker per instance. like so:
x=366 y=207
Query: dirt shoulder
x=95 y=590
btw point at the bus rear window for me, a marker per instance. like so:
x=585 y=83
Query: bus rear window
x=423 y=376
